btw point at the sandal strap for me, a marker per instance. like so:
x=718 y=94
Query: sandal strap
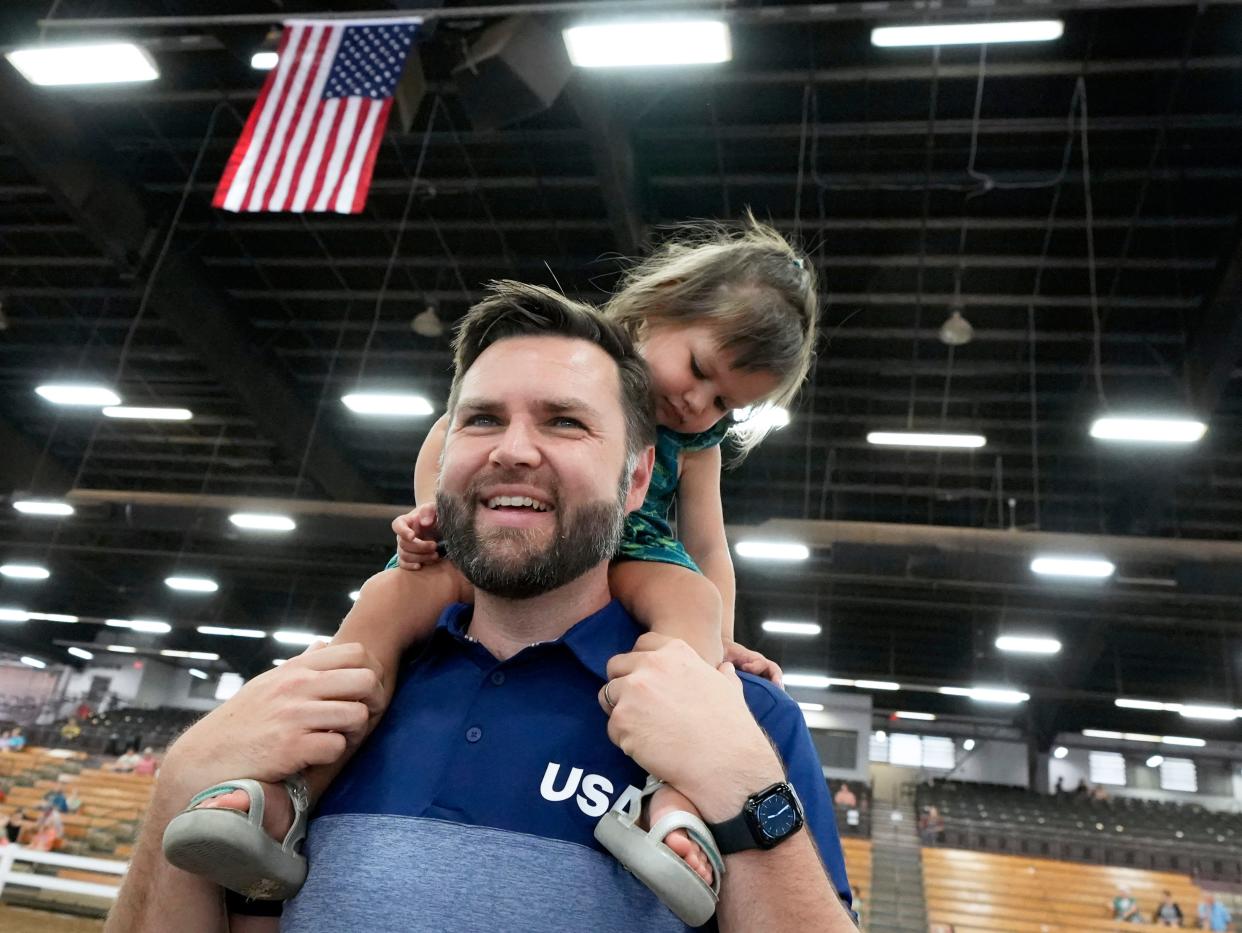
x=697 y=830
x=249 y=787
x=299 y=796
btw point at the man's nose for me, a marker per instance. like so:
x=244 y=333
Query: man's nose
x=517 y=446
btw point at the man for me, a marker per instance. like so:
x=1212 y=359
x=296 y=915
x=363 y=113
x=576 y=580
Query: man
x=525 y=719
x=1213 y=915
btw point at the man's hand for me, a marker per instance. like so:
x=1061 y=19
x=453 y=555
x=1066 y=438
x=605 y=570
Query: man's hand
x=417 y=534
x=305 y=712
x=688 y=724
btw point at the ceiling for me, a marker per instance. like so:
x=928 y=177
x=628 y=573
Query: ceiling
x=1078 y=200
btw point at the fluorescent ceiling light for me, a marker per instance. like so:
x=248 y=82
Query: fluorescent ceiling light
x=764 y=417
x=1155 y=761
x=81 y=653
x=876 y=685
x=306 y=638
x=772 y=550
x=140 y=625
x=192 y=584
x=1182 y=740
x=396 y=405
x=33 y=662
x=911 y=439
x=840 y=682
x=354 y=594
x=276 y=662
x=1041 y=30
x=815 y=681
x=648 y=44
x=51 y=617
x=258 y=521
x=1148 y=430
x=1093 y=568
x=148 y=414
x=9 y=614
x=1100 y=734
x=906 y=714
x=1196 y=711
x=969 y=745
x=1060 y=751
x=1025 y=644
x=25 y=571
x=192 y=655
x=85 y=395
x=195 y=672
x=42 y=507
x=1127 y=703
x=236 y=632
x=86 y=63
x=1139 y=737
x=986 y=694
x=122 y=649
x=264 y=61
x=811 y=707
x=777 y=627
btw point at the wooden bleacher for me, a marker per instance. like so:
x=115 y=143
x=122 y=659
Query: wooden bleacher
x=980 y=892
x=858 y=862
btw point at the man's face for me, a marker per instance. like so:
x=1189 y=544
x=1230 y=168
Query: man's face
x=533 y=487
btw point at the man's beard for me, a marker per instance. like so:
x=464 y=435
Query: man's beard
x=507 y=562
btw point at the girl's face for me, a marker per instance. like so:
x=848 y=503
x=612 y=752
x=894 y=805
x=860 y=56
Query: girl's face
x=693 y=382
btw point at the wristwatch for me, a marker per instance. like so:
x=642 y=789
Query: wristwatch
x=767 y=819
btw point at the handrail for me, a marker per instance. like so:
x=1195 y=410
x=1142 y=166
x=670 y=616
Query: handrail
x=11 y=854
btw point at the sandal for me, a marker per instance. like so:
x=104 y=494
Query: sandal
x=232 y=849
x=657 y=866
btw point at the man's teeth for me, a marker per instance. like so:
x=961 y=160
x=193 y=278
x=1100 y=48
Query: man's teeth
x=527 y=502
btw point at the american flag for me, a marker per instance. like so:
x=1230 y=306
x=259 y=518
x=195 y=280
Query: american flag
x=310 y=141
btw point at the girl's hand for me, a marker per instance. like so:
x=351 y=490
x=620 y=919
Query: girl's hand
x=417 y=533
x=752 y=662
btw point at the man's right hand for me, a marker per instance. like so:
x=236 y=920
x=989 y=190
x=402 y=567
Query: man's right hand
x=417 y=533
x=305 y=712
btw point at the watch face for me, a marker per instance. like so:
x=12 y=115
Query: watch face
x=777 y=816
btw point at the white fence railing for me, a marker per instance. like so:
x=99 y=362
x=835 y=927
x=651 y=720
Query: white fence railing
x=10 y=855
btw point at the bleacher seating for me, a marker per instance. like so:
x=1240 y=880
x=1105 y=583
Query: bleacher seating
x=980 y=892
x=112 y=732
x=858 y=863
x=1123 y=831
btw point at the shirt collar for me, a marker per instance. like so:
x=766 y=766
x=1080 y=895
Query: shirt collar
x=593 y=641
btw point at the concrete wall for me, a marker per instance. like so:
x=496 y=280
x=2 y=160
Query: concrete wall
x=152 y=685
x=844 y=712
x=992 y=762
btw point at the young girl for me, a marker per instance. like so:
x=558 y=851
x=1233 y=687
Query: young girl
x=725 y=320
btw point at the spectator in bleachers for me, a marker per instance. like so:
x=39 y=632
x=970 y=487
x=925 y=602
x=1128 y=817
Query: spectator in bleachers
x=1082 y=790
x=125 y=763
x=1168 y=914
x=1099 y=793
x=56 y=798
x=49 y=831
x=1060 y=788
x=13 y=829
x=4 y=740
x=1125 y=907
x=70 y=730
x=931 y=825
x=17 y=741
x=73 y=803
x=844 y=796
x=1213 y=915
x=147 y=764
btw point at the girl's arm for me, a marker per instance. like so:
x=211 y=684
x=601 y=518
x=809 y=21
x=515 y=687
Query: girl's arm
x=427 y=467
x=700 y=526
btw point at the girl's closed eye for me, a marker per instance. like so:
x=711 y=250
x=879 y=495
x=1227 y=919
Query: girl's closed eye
x=695 y=368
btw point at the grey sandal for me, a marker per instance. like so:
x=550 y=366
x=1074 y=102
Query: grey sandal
x=232 y=849
x=657 y=866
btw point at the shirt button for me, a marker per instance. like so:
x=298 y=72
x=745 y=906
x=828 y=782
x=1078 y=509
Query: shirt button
x=498 y=678
x=473 y=734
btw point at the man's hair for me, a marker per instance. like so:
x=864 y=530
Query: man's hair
x=514 y=309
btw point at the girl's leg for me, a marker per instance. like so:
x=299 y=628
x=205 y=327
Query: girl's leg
x=396 y=608
x=672 y=600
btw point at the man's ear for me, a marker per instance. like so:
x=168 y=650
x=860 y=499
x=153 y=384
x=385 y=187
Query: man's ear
x=640 y=478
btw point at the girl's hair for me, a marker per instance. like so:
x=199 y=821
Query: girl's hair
x=749 y=284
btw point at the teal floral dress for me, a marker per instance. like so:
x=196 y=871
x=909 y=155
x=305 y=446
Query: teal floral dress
x=647 y=534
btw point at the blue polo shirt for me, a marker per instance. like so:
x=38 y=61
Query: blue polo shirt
x=473 y=803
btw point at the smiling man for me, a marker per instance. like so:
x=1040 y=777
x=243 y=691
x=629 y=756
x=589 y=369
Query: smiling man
x=527 y=716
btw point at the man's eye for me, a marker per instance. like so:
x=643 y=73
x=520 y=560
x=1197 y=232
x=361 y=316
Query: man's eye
x=477 y=421
x=694 y=368
x=565 y=422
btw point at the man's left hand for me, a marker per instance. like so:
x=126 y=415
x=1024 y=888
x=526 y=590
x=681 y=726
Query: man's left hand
x=688 y=724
